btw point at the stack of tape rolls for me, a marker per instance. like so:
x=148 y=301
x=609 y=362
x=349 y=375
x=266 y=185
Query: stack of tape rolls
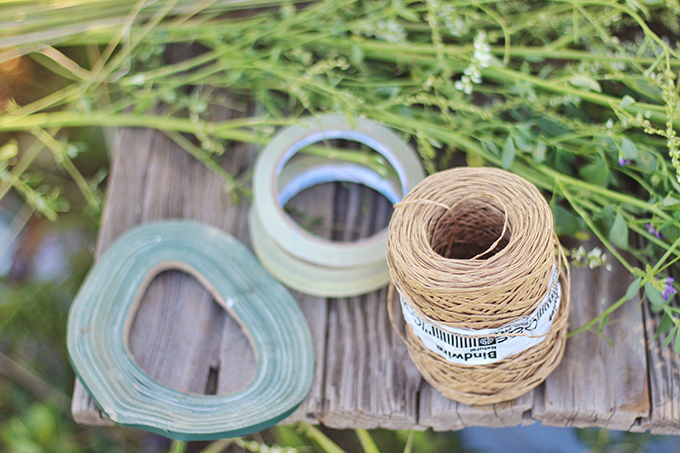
x=483 y=283
x=301 y=260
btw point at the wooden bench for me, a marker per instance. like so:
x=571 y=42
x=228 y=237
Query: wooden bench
x=364 y=377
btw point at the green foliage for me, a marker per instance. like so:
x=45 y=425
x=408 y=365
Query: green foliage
x=603 y=441
x=37 y=430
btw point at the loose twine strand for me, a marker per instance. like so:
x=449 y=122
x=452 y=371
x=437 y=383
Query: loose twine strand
x=474 y=248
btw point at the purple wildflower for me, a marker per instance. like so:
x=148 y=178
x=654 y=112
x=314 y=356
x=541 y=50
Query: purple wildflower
x=623 y=162
x=652 y=230
x=668 y=288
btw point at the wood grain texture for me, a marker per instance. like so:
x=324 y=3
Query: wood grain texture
x=597 y=384
x=314 y=209
x=369 y=381
x=664 y=380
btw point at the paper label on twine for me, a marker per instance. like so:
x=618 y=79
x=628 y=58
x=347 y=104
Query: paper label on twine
x=483 y=346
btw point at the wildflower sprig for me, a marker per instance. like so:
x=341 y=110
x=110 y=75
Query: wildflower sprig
x=481 y=58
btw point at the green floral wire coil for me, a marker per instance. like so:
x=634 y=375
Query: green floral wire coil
x=104 y=309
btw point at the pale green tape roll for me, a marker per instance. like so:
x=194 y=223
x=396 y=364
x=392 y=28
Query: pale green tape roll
x=306 y=262
x=102 y=313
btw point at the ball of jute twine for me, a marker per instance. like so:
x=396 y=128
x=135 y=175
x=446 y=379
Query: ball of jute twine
x=474 y=248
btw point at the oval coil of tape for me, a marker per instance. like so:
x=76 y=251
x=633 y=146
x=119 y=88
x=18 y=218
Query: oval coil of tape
x=300 y=259
x=102 y=313
x=483 y=282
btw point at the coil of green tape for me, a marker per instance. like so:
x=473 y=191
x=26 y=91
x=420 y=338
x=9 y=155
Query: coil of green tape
x=301 y=260
x=103 y=311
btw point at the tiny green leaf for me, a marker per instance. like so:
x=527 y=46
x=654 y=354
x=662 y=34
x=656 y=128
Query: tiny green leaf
x=522 y=141
x=508 y=154
x=629 y=149
x=585 y=82
x=618 y=234
x=490 y=147
x=633 y=289
x=565 y=222
x=607 y=216
x=669 y=336
x=632 y=4
x=676 y=344
x=603 y=323
x=670 y=200
x=626 y=101
x=664 y=325
x=9 y=150
x=596 y=172
x=539 y=152
x=656 y=300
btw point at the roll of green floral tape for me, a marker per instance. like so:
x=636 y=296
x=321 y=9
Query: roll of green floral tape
x=306 y=262
x=102 y=313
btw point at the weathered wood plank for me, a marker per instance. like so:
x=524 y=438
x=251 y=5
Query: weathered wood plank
x=664 y=381
x=597 y=384
x=440 y=413
x=314 y=210
x=369 y=380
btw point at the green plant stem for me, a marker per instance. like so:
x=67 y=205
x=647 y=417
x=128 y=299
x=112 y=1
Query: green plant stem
x=506 y=34
x=589 y=325
x=577 y=55
x=104 y=119
x=532 y=174
x=575 y=204
x=34 y=383
x=367 y=442
x=218 y=446
x=320 y=438
x=15 y=228
x=658 y=113
x=387 y=52
x=654 y=240
x=609 y=194
x=64 y=161
x=178 y=447
x=21 y=166
x=204 y=158
x=124 y=54
x=52 y=100
x=645 y=28
x=409 y=442
x=665 y=256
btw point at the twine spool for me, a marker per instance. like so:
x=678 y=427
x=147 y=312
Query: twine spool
x=473 y=249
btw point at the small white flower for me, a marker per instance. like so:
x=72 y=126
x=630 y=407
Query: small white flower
x=464 y=85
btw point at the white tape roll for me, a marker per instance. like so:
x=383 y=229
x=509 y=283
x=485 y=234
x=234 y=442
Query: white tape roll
x=300 y=259
x=484 y=346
